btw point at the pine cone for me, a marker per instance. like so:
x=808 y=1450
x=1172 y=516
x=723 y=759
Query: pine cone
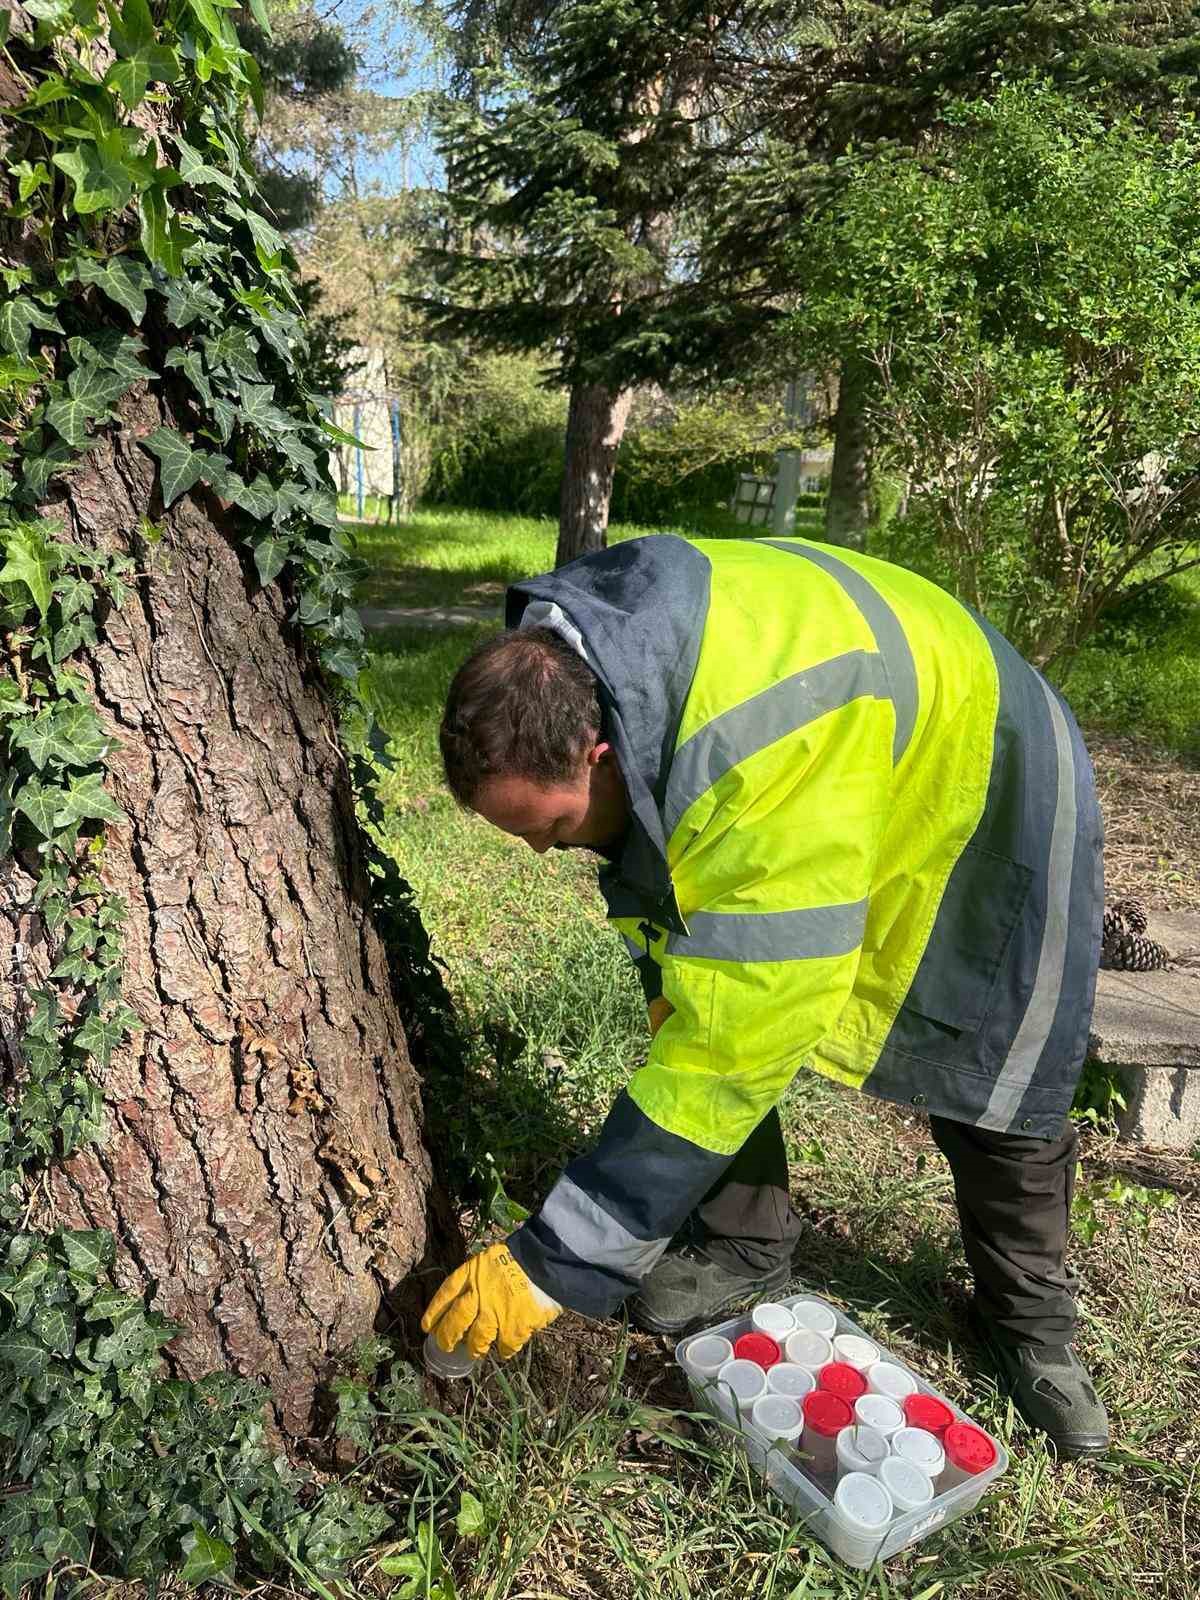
x=1130 y=952
x=1133 y=912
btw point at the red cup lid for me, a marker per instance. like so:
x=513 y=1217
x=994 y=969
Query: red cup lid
x=758 y=1347
x=928 y=1412
x=840 y=1378
x=968 y=1448
x=826 y=1414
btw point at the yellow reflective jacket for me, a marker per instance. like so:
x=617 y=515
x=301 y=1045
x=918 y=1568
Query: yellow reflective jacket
x=863 y=840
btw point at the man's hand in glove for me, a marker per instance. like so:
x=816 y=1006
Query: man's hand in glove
x=488 y=1298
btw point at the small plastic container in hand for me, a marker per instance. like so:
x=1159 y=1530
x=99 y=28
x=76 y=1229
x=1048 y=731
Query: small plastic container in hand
x=825 y=1415
x=759 y=1348
x=908 y=1486
x=813 y=1315
x=775 y=1321
x=878 y=1412
x=808 y=1349
x=860 y=1449
x=922 y=1449
x=788 y=1379
x=969 y=1452
x=886 y=1378
x=456 y=1363
x=777 y=1417
x=928 y=1412
x=862 y=1510
x=709 y=1353
x=840 y=1379
x=855 y=1351
x=745 y=1380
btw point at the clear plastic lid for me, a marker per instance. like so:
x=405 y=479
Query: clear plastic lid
x=885 y=1377
x=456 y=1363
x=864 y=1502
x=809 y=1349
x=812 y=1314
x=921 y=1448
x=777 y=1417
x=709 y=1353
x=777 y=1321
x=861 y=1449
x=878 y=1412
x=746 y=1380
x=787 y=1378
x=909 y=1487
x=855 y=1351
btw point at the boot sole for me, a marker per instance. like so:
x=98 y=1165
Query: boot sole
x=755 y=1289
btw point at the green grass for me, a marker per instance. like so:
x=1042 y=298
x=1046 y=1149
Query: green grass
x=589 y=1481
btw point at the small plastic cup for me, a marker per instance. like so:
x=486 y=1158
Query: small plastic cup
x=813 y=1315
x=928 y=1412
x=969 y=1452
x=885 y=1377
x=456 y=1363
x=855 y=1351
x=863 y=1503
x=922 y=1449
x=777 y=1417
x=860 y=1449
x=759 y=1348
x=878 y=1412
x=745 y=1380
x=788 y=1379
x=808 y=1349
x=908 y=1486
x=843 y=1380
x=708 y=1354
x=825 y=1415
x=773 y=1320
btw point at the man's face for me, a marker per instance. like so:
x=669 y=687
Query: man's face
x=590 y=808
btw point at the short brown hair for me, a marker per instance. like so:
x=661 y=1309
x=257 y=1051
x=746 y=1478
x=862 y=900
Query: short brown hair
x=523 y=703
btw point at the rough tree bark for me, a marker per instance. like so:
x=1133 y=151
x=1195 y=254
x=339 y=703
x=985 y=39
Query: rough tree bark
x=596 y=419
x=264 y=1171
x=848 y=506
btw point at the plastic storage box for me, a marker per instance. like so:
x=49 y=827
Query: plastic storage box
x=781 y=1462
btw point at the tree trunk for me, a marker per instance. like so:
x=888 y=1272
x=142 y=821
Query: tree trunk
x=596 y=422
x=264 y=1171
x=848 y=506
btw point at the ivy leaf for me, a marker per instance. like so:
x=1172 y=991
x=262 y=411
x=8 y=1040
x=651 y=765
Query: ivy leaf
x=194 y=170
x=470 y=1521
x=259 y=408
x=37 y=471
x=71 y=735
x=270 y=556
x=68 y=1540
x=22 y=1567
x=144 y=60
x=55 y=1329
x=257 y=499
x=99 y=172
x=92 y=392
x=181 y=466
x=111 y=348
x=224 y=414
x=192 y=367
x=31 y=560
x=234 y=348
x=23 y=1354
x=126 y=1341
x=89 y=1251
x=100 y=1036
x=207 y=1557
x=186 y=301
x=268 y=243
x=39 y=802
x=164 y=237
x=342 y=660
x=18 y=318
x=122 y=279
x=86 y=799
x=207 y=16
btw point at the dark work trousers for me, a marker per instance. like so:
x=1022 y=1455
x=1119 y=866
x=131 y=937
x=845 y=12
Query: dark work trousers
x=1014 y=1207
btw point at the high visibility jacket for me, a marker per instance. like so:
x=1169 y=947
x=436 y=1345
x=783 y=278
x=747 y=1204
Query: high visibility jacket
x=863 y=839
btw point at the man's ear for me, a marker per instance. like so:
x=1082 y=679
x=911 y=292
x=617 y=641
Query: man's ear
x=598 y=752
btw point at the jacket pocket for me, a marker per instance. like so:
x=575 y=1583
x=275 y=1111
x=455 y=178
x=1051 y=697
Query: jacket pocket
x=972 y=934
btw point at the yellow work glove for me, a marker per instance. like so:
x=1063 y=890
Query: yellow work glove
x=488 y=1298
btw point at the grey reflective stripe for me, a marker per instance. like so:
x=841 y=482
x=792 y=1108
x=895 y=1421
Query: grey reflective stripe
x=884 y=624
x=762 y=720
x=588 y=1232
x=1021 y=1062
x=637 y=952
x=772 y=935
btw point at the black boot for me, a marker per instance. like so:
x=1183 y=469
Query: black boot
x=687 y=1288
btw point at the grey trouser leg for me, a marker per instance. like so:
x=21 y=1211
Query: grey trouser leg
x=1014 y=1204
x=745 y=1221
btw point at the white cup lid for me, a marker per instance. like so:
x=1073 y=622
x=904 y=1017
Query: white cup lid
x=777 y=1416
x=785 y=1377
x=864 y=1501
x=812 y=1314
x=885 y=1377
x=709 y=1352
x=746 y=1379
x=808 y=1349
x=862 y=1446
x=778 y=1321
x=877 y=1411
x=908 y=1486
x=914 y=1444
x=860 y=1353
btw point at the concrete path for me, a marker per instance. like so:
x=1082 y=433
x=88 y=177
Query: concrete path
x=375 y=617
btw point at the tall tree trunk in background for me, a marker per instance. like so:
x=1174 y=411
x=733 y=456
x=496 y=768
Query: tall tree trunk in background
x=848 y=506
x=596 y=421
x=264 y=1172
